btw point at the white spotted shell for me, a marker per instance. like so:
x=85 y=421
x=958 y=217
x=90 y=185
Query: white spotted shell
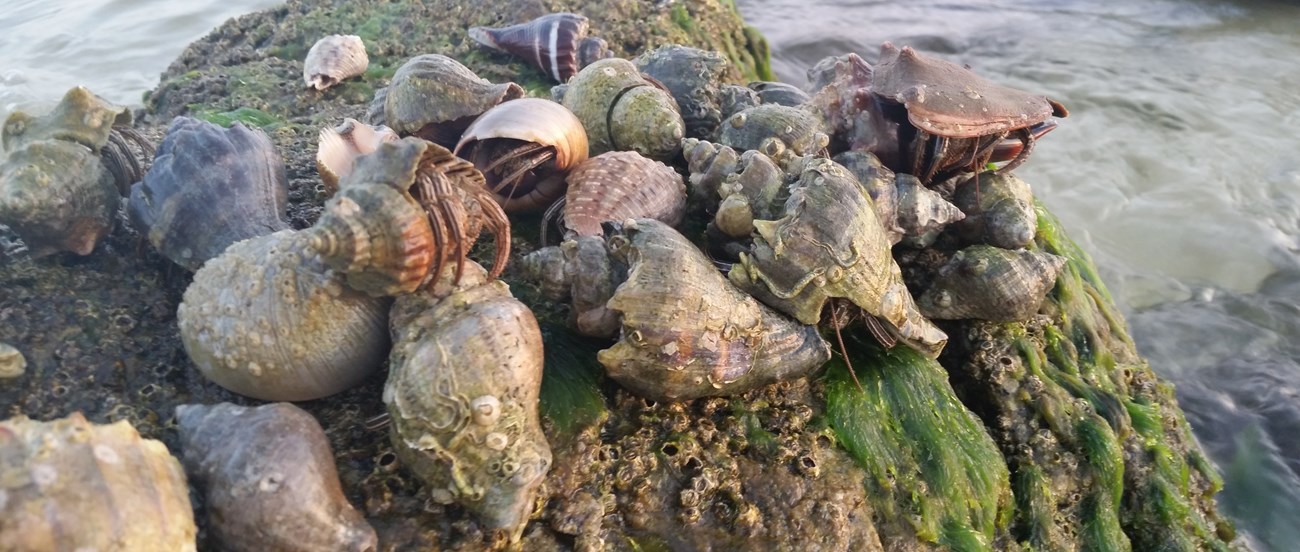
x=333 y=59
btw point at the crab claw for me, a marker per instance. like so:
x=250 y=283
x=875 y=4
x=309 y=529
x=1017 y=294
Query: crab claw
x=1010 y=148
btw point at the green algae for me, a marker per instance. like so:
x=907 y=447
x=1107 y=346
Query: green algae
x=571 y=398
x=929 y=462
x=249 y=116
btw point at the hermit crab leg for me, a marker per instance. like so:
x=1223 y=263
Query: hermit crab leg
x=425 y=186
x=554 y=212
x=1027 y=138
x=500 y=225
x=454 y=212
x=513 y=178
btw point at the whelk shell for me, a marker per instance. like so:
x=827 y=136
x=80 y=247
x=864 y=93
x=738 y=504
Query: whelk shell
x=334 y=59
x=693 y=77
x=581 y=270
x=991 y=283
x=999 y=210
x=435 y=97
x=621 y=110
x=800 y=131
x=378 y=236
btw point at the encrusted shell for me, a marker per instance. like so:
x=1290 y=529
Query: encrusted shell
x=830 y=244
x=799 y=130
x=843 y=98
x=514 y=125
x=552 y=42
x=709 y=164
x=339 y=147
x=908 y=210
x=209 y=187
x=268 y=479
x=456 y=350
x=334 y=59
x=991 y=283
x=68 y=484
x=58 y=197
x=619 y=185
x=268 y=319
x=81 y=117
x=687 y=332
x=579 y=269
x=435 y=97
x=999 y=210
x=621 y=110
x=378 y=236
x=693 y=77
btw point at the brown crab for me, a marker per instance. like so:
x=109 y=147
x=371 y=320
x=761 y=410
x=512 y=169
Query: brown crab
x=950 y=119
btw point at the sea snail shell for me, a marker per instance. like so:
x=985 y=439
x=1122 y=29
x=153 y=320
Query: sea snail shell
x=333 y=59
x=556 y=43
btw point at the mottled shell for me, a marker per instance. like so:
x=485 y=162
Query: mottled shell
x=378 y=237
x=779 y=93
x=81 y=117
x=999 y=210
x=268 y=319
x=693 y=76
x=709 y=165
x=946 y=99
x=513 y=124
x=622 y=111
x=455 y=353
x=209 y=187
x=334 y=59
x=551 y=42
x=58 y=197
x=268 y=480
x=436 y=98
x=687 y=332
x=908 y=210
x=339 y=147
x=829 y=244
x=581 y=270
x=619 y=185
x=799 y=130
x=991 y=283
x=71 y=485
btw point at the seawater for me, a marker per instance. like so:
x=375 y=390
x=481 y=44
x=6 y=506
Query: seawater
x=1177 y=168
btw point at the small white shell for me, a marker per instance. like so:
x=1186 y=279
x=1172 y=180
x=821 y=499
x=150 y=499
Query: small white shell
x=333 y=59
x=339 y=147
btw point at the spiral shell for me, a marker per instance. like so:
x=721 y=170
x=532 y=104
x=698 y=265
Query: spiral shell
x=339 y=147
x=463 y=385
x=687 y=332
x=12 y=362
x=269 y=320
x=378 y=236
x=621 y=110
x=829 y=244
x=709 y=165
x=209 y=187
x=517 y=124
x=581 y=270
x=555 y=43
x=910 y=212
x=71 y=485
x=334 y=59
x=268 y=479
x=999 y=210
x=843 y=98
x=435 y=97
x=991 y=283
x=619 y=185
x=693 y=76
x=799 y=130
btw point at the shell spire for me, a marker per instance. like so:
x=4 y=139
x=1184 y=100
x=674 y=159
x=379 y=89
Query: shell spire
x=551 y=42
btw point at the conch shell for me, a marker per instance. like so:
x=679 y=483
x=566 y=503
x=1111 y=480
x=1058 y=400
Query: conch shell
x=268 y=479
x=72 y=485
x=463 y=384
x=334 y=59
x=991 y=283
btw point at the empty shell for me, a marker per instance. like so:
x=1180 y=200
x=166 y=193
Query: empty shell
x=333 y=59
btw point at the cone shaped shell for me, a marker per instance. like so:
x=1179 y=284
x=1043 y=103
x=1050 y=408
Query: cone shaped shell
x=71 y=485
x=438 y=92
x=334 y=59
x=268 y=479
x=339 y=147
x=269 y=320
x=378 y=236
x=619 y=185
x=991 y=283
x=689 y=333
x=550 y=42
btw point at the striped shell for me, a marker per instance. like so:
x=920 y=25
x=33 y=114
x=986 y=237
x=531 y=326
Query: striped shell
x=517 y=123
x=378 y=236
x=334 y=59
x=71 y=485
x=619 y=185
x=551 y=42
x=268 y=479
x=991 y=283
x=339 y=147
x=435 y=97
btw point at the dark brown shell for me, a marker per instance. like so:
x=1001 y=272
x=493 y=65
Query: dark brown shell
x=268 y=479
x=209 y=187
x=551 y=42
x=946 y=99
x=435 y=97
x=693 y=76
x=619 y=185
x=991 y=283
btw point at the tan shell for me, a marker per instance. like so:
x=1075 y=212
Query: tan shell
x=378 y=236
x=621 y=110
x=689 y=333
x=339 y=147
x=58 y=197
x=991 y=283
x=268 y=319
x=529 y=120
x=72 y=485
x=81 y=117
x=268 y=480
x=334 y=59
x=436 y=98
x=463 y=385
x=619 y=185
